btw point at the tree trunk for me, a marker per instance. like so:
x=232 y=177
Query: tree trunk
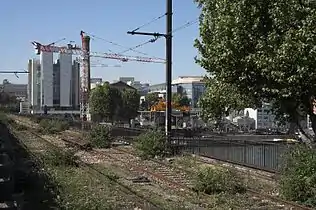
x=305 y=135
x=313 y=120
x=293 y=127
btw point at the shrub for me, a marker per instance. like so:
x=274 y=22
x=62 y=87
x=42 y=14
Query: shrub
x=53 y=126
x=4 y=119
x=213 y=180
x=298 y=177
x=61 y=158
x=151 y=144
x=20 y=127
x=100 y=136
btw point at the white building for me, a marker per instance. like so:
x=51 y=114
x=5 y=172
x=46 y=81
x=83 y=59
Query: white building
x=34 y=85
x=75 y=81
x=55 y=85
x=46 y=60
x=65 y=65
x=95 y=82
x=264 y=118
x=127 y=79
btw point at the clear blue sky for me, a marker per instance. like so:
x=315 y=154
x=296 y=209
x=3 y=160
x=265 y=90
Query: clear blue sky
x=48 y=21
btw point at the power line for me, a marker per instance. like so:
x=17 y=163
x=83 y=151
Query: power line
x=150 y=22
x=119 y=45
x=140 y=45
x=187 y=24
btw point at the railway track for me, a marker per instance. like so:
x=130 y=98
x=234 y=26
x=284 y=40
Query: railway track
x=280 y=203
x=139 y=200
x=162 y=172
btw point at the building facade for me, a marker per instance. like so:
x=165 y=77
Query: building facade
x=65 y=65
x=191 y=86
x=34 y=85
x=264 y=118
x=46 y=62
x=57 y=87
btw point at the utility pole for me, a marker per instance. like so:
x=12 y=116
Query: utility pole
x=168 y=36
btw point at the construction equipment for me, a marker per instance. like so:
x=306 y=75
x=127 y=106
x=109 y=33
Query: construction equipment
x=85 y=54
x=161 y=106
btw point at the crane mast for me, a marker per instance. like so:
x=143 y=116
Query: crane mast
x=84 y=52
x=85 y=79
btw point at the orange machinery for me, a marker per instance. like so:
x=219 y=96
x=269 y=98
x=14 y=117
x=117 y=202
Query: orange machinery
x=161 y=106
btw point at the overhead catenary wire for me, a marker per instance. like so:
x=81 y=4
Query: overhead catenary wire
x=122 y=46
x=150 y=22
x=187 y=24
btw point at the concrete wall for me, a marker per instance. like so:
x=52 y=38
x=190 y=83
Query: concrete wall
x=34 y=82
x=65 y=61
x=75 y=82
x=46 y=78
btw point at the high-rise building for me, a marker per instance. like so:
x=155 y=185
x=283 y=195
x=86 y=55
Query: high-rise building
x=56 y=84
x=46 y=59
x=34 y=83
x=75 y=84
x=65 y=62
x=63 y=90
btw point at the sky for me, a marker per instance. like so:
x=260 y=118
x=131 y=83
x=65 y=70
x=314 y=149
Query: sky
x=108 y=20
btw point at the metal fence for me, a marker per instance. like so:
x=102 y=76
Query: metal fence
x=260 y=155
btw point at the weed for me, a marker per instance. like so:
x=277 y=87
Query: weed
x=100 y=136
x=298 y=177
x=214 y=180
x=151 y=144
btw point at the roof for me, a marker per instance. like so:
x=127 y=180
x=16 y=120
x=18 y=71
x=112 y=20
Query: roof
x=188 y=79
x=121 y=84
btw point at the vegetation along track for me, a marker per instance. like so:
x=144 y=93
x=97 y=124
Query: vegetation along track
x=280 y=202
x=162 y=172
x=175 y=178
x=138 y=199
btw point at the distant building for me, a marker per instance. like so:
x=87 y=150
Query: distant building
x=94 y=82
x=34 y=83
x=121 y=86
x=56 y=85
x=20 y=91
x=191 y=86
x=264 y=118
x=127 y=79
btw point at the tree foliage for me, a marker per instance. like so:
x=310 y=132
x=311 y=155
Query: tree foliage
x=105 y=102
x=130 y=106
x=151 y=99
x=265 y=49
x=220 y=99
x=181 y=99
x=110 y=103
x=298 y=179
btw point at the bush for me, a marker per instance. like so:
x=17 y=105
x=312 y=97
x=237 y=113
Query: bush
x=62 y=158
x=19 y=127
x=151 y=144
x=298 y=175
x=213 y=180
x=100 y=136
x=4 y=119
x=53 y=126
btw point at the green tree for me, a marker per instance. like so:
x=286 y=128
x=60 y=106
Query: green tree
x=151 y=99
x=181 y=99
x=130 y=106
x=220 y=99
x=265 y=49
x=105 y=102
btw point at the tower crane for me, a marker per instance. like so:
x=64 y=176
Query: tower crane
x=85 y=54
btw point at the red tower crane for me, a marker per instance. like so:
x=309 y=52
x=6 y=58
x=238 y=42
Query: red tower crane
x=85 y=54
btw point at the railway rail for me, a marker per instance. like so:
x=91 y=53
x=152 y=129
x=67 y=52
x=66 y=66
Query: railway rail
x=162 y=173
x=140 y=200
